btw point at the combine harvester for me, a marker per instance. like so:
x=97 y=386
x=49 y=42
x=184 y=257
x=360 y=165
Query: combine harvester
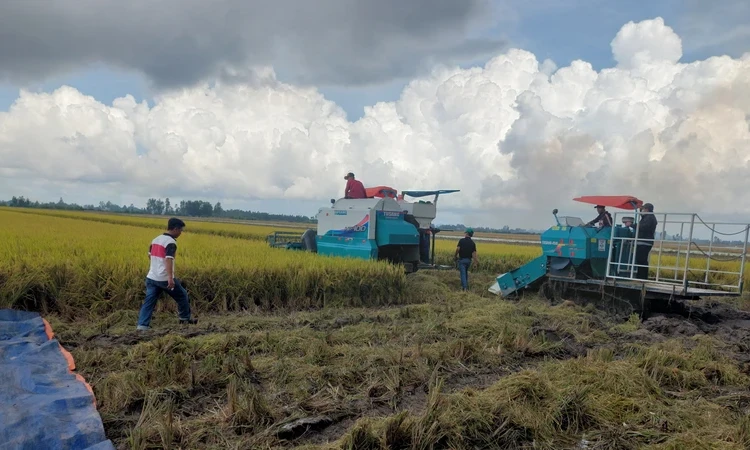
x=580 y=261
x=383 y=226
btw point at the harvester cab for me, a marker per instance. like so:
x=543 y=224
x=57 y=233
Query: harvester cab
x=581 y=260
x=383 y=226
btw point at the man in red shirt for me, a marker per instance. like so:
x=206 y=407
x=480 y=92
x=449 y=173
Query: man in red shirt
x=354 y=188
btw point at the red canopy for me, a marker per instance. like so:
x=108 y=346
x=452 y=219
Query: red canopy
x=613 y=201
x=381 y=192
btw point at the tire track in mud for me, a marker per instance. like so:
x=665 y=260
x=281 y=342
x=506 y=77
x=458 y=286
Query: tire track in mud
x=728 y=324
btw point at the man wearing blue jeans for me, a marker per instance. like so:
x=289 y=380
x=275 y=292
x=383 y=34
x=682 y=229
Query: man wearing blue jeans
x=466 y=252
x=160 y=277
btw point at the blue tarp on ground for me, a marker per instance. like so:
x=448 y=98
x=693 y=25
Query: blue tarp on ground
x=43 y=405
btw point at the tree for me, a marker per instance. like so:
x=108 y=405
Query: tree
x=151 y=206
x=205 y=209
x=168 y=207
x=218 y=211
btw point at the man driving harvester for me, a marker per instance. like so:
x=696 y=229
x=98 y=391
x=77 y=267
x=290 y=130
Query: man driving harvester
x=354 y=188
x=604 y=219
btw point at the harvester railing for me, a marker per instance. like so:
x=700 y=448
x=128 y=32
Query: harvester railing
x=724 y=262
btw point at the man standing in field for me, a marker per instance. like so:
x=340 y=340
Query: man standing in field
x=160 y=277
x=466 y=252
x=354 y=188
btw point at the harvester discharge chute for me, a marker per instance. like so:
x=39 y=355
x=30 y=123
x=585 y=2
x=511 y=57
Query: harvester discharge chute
x=599 y=262
x=383 y=226
x=43 y=403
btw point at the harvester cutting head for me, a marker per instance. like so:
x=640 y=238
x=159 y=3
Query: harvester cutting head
x=383 y=226
x=578 y=257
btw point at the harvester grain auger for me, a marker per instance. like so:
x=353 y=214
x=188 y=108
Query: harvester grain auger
x=598 y=265
x=383 y=226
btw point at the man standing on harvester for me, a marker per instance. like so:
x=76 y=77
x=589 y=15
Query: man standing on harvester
x=160 y=278
x=466 y=252
x=354 y=188
x=647 y=232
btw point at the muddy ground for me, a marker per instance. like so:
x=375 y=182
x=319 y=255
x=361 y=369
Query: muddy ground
x=307 y=379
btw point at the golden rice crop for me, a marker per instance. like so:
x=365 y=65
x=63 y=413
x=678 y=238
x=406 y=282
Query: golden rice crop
x=76 y=267
x=493 y=257
x=225 y=273
x=200 y=226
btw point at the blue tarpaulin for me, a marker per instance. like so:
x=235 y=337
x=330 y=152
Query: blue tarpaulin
x=43 y=404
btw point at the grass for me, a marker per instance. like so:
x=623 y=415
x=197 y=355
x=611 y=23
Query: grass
x=293 y=350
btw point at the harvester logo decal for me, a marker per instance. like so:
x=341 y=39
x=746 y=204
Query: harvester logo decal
x=361 y=227
x=559 y=247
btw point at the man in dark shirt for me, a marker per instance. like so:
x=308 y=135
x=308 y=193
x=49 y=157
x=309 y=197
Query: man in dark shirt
x=466 y=252
x=604 y=218
x=646 y=231
x=354 y=188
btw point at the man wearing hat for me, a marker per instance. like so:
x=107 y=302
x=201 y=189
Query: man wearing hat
x=647 y=232
x=466 y=252
x=604 y=219
x=354 y=188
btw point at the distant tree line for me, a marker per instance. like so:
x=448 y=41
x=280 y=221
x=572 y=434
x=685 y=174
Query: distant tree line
x=200 y=208
x=185 y=208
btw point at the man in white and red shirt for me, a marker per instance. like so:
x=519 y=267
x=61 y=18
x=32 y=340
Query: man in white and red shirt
x=160 y=277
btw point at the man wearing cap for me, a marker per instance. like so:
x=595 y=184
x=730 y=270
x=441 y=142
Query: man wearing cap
x=354 y=188
x=604 y=219
x=646 y=231
x=466 y=252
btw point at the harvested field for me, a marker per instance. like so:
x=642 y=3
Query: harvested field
x=390 y=362
x=460 y=370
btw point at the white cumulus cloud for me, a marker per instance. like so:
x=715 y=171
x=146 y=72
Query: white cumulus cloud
x=518 y=136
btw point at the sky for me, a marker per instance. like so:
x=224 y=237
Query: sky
x=265 y=105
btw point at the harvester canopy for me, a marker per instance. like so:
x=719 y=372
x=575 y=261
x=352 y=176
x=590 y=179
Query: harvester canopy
x=417 y=194
x=613 y=201
x=381 y=192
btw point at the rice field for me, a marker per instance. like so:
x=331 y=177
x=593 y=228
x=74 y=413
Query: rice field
x=205 y=252
x=88 y=267
x=236 y=229
x=294 y=350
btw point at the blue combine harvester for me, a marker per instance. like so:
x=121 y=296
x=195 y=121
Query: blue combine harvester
x=381 y=227
x=580 y=261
